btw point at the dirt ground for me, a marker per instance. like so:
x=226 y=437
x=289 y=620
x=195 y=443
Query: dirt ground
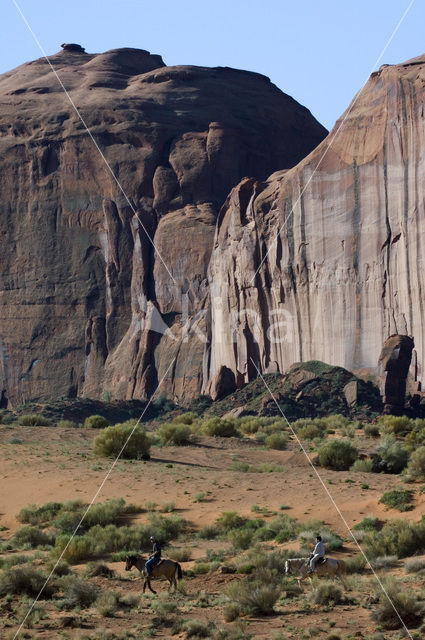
x=41 y=464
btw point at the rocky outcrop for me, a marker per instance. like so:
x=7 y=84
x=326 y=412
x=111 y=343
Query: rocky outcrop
x=324 y=261
x=395 y=358
x=88 y=304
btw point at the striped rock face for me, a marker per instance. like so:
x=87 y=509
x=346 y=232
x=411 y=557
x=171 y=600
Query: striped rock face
x=325 y=261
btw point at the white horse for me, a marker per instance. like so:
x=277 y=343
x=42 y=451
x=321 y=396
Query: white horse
x=300 y=567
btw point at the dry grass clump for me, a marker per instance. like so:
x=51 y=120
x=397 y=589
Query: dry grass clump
x=180 y=554
x=108 y=603
x=416 y=467
x=95 y=569
x=362 y=465
x=197 y=629
x=25 y=580
x=32 y=537
x=66 y=424
x=396 y=538
x=397 y=425
x=414 y=565
x=392 y=455
x=34 y=420
x=326 y=593
x=356 y=564
x=77 y=592
x=406 y=604
x=254 y=597
x=115 y=439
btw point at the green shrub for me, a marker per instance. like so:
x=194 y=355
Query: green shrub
x=326 y=593
x=392 y=454
x=310 y=432
x=337 y=454
x=39 y=515
x=369 y=524
x=362 y=465
x=240 y=538
x=277 y=441
x=223 y=427
x=416 y=467
x=404 y=603
x=66 y=424
x=32 y=537
x=230 y=520
x=96 y=422
x=397 y=537
x=400 y=499
x=171 y=433
x=112 y=440
x=186 y=418
x=34 y=420
x=254 y=598
x=77 y=592
x=25 y=579
x=397 y=425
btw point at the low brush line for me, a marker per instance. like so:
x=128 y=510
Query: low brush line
x=338 y=510
x=18 y=8
x=93 y=499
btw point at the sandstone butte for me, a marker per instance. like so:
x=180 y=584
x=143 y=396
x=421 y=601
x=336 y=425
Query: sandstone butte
x=87 y=306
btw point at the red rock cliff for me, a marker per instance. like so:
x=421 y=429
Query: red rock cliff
x=80 y=283
x=343 y=235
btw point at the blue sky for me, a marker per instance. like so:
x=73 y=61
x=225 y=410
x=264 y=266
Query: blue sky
x=318 y=51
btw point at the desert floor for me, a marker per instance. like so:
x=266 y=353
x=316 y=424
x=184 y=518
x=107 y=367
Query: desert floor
x=58 y=464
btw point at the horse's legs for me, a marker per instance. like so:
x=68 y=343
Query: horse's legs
x=144 y=585
x=149 y=585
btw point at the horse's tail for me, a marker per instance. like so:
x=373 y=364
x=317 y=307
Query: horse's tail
x=179 y=571
x=342 y=567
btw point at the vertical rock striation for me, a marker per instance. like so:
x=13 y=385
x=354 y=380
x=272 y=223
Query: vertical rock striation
x=325 y=261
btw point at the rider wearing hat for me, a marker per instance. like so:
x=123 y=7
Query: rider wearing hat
x=155 y=557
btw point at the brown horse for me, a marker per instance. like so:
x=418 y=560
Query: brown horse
x=331 y=567
x=165 y=568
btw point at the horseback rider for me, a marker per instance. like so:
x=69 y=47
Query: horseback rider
x=317 y=554
x=155 y=557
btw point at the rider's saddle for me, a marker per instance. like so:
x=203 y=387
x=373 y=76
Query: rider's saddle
x=321 y=560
